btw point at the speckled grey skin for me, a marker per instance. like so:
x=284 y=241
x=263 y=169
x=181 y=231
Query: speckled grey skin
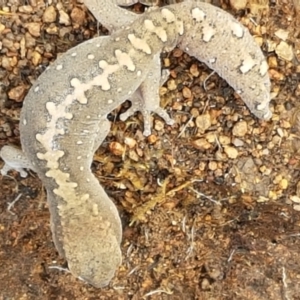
x=63 y=120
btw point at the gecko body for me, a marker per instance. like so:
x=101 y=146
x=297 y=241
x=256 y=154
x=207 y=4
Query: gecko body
x=63 y=119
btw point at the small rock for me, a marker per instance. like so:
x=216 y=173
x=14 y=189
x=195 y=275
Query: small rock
x=295 y=199
x=237 y=142
x=194 y=70
x=298 y=189
x=212 y=165
x=271 y=46
x=34 y=28
x=14 y=61
x=274 y=74
x=177 y=52
x=5 y=63
x=282 y=34
x=25 y=9
x=116 y=148
x=284 y=51
x=219 y=155
x=186 y=92
x=262 y=199
x=152 y=139
x=231 y=152
x=172 y=86
x=22 y=47
x=78 y=16
x=6 y=43
x=52 y=29
x=30 y=42
x=238 y=4
x=205 y=285
x=49 y=15
x=36 y=58
x=272 y=62
x=64 y=30
x=202 y=166
x=224 y=140
x=203 y=122
x=167 y=62
x=130 y=142
x=17 y=93
x=211 y=137
x=201 y=144
x=159 y=125
x=64 y=18
x=177 y=106
x=259 y=40
x=133 y=155
x=139 y=152
x=277 y=179
x=194 y=112
x=218 y=173
x=297 y=5
x=283 y=184
x=240 y=129
x=2 y=27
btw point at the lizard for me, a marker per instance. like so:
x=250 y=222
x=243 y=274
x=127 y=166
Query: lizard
x=63 y=119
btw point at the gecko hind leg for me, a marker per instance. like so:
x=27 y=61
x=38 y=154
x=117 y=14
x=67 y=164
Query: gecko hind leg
x=14 y=159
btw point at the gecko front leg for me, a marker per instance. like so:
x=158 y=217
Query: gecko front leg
x=146 y=99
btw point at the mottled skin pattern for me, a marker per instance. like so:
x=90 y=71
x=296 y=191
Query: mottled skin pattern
x=63 y=120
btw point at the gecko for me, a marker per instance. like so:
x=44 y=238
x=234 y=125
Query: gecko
x=64 y=116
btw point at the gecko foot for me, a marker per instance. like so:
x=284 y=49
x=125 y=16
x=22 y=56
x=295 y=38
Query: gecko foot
x=146 y=116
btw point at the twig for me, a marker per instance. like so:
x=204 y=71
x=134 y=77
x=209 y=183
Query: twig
x=207 y=197
x=11 y=204
x=185 y=126
x=168 y=292
x=204 y=82
x=191 y=248
x=60 y=269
